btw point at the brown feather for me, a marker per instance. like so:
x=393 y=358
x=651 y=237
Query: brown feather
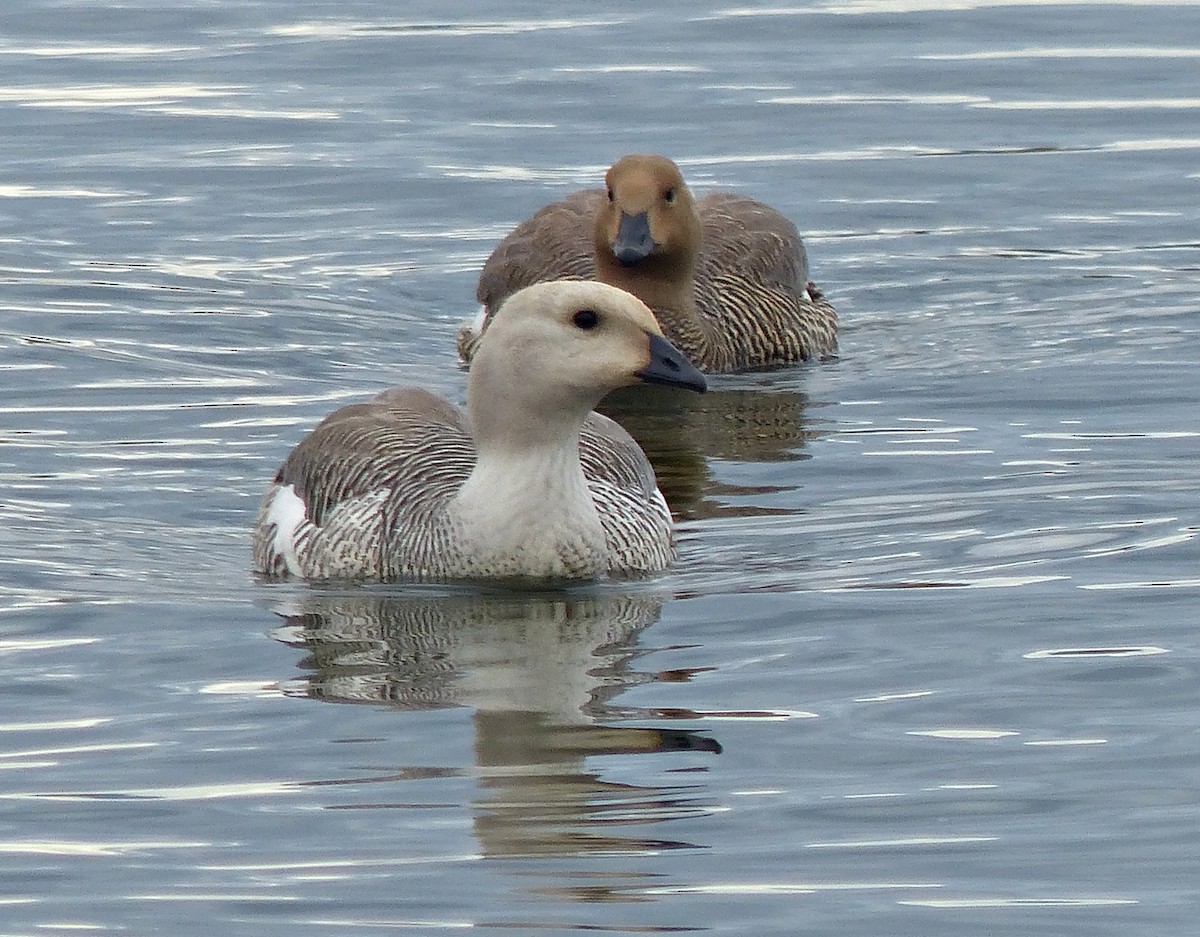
x=749 y=303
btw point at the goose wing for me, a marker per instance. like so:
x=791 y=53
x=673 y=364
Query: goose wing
x=633 y=512
x=752 y=283
x=745 y=236
x=364 y=475
x=554 y=243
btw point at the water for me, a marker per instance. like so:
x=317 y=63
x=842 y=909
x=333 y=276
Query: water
x=927 y=664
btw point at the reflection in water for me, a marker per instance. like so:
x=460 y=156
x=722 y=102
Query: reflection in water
x=538 y=670
x=680 y=431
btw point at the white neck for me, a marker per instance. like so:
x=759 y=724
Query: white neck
x=528 y=511
x=525 y=509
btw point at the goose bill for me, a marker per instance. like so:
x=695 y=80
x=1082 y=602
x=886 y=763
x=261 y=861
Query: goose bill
x=634 y=242
x=668 y=365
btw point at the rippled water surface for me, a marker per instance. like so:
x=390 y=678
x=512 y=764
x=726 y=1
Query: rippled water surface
x=928 y=662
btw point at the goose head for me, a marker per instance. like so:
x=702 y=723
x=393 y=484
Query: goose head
x=554 y=350
x=649 y=221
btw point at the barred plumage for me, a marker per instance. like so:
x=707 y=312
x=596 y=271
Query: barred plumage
x=531 y=483
x=726 y=275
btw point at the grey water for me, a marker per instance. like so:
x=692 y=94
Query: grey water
x=928 y=663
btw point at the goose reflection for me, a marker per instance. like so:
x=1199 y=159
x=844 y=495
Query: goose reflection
x=539 y=671
x=680 y=432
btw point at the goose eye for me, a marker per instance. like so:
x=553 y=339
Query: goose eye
x=586 y=319
x=669 y=195
x=610 y=195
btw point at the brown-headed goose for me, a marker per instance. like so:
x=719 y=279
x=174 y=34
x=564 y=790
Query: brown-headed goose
x=726 y=275
x=528 y=483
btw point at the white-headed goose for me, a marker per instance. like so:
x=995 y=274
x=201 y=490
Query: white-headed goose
x=528 y=483
x=726 y=275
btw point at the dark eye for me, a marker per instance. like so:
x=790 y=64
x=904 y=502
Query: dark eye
x=669 y=195
x=586 y=319
x=610 y=195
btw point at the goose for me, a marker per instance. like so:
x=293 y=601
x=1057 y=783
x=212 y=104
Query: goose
x=725 y=274
x=529 y=483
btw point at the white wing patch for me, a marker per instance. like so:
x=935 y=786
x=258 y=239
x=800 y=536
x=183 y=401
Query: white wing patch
x=479 y=321
x=287 y=512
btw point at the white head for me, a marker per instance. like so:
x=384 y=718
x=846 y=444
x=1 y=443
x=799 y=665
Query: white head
x=555 y=349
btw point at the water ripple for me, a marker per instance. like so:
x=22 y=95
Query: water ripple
x=325 y=29
x=929 y=636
